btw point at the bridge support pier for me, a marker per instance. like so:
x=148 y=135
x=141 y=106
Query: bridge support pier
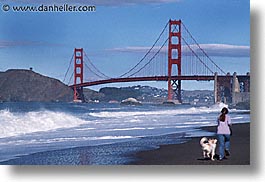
x=78 y=94
x=241 y=89
x=231 y=89
x=174 y=91
x=223 y=88
x=215 y=88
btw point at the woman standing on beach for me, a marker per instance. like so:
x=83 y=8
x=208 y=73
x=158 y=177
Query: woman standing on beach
x=224 y=133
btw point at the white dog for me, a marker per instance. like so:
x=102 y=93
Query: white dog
x=208 y=147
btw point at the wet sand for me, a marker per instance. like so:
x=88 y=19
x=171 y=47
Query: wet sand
x=190 y=153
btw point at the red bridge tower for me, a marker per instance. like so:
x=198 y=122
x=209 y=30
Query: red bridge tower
x=174 y=58
x=78 y=74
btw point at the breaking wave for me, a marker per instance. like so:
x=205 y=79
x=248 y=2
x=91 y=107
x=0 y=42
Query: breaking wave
x=13 y=124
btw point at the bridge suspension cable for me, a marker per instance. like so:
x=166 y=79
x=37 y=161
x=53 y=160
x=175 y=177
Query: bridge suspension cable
x=70 y=64
x=71 y=77
x=102 y=75
x=150 y=59
x=203 y=51
x=196 y=55
x=143 y=58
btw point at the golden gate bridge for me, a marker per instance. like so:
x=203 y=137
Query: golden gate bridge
x=174 y=56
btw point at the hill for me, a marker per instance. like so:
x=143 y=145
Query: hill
x=26 y=85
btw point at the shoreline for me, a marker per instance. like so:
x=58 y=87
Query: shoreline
x=189 y=153
x=127 y=153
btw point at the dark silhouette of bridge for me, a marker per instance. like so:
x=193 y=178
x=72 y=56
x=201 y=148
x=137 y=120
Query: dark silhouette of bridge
x=174 y=56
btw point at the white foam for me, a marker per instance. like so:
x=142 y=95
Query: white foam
x=239 y=117
x=61 y=139
x=195 y=122
x=133 y=121
x=175 y=111
x=13 y=124
x=126 y=129
x=112 y=137
x=181 y=127
x=84 y=129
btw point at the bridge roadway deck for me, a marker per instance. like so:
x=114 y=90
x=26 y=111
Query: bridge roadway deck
x=136 y=79
x=154 y=78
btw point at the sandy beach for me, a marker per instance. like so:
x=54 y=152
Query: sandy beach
x=190 y=153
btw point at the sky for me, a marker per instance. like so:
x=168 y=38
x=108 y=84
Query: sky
x=113 y=35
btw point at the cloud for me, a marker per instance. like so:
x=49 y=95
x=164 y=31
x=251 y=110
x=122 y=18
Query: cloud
x=220 y=50
x=7 y=44
x=226 y=50
x=94 y=2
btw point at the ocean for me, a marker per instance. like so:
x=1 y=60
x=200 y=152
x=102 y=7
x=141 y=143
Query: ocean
x=38 y=133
